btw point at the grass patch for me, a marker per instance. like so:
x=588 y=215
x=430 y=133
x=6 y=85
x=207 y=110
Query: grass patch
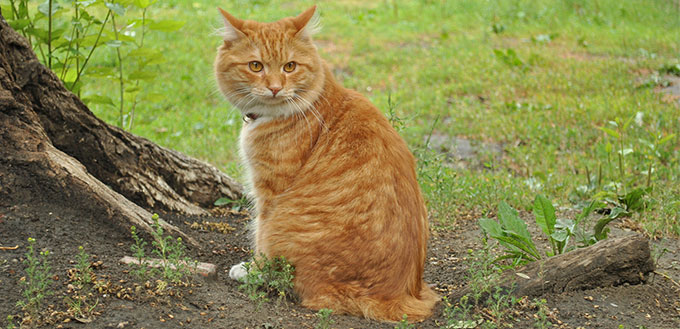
x=541 y=78
x=268 y=278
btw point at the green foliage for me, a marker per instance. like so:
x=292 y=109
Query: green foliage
x=83 y=270
x=69 y=35
x=510 y=58
x=541 y=319
x=79 y=303
x=324 y=317
x=175 y=264
x=404 y=324
x=36 y=284
x=267 y=277
x=142 y=271
x=10 y=322
x=511 y=231
x=485 y=295
x=236 y=205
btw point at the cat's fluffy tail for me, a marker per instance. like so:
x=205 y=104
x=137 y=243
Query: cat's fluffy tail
x=416 y=308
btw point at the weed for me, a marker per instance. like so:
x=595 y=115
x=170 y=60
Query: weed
x=397 y=122
x=142 y=271
x=484 y=296
x=267 y=277
x=236 y=205
x=510 y=58
x=84 y=272
x=174 y=264
x=171 y=252
x=79 y=304
x=499 y=304
x=512 y=233
x=79 y=307
x=324 y=316
x=404 y=324
x=37 y=280
x=541 y=316
x=10 y=322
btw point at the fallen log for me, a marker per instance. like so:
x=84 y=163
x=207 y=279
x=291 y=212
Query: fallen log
x=610 y=262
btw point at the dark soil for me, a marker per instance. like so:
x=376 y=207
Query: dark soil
x=125 y=302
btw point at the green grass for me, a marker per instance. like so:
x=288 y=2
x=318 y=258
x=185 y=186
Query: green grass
x=577 y=66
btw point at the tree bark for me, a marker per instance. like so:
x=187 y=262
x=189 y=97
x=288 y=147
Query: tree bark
x=53 y=149
x=610 y=262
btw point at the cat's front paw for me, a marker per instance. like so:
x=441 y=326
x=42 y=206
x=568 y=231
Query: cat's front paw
x=238 y=271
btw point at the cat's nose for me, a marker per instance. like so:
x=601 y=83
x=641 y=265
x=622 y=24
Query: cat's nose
x=275 y=90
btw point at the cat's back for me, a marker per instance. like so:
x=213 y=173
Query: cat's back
x=359 y=128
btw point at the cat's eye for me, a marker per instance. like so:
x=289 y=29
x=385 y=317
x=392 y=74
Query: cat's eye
x=289 y=67
x=255 y=66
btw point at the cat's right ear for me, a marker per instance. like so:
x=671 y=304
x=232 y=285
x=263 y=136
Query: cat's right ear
x=232 y=27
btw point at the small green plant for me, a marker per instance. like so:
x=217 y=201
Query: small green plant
x=510 y=58
x=37 y=281
x=324 y=316
x=174 y=264
x=83 y=270
x=512 y=233
x=236 y=205
x=397 y=122
x=404 y=324
x=485 y=296
x=142 y=271
x=171 y=252
x=541 y=318
x=267 y=277
x=79 y=307
x=10 y=322
x=499 y=304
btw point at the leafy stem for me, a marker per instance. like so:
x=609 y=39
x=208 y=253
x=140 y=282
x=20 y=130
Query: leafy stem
x=80 y=70
x=120 y=72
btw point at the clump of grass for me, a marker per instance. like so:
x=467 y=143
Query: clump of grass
x=268 y=277
x=37 y=281
x=324 y=317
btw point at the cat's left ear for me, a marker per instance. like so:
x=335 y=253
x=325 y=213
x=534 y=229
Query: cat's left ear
x=307 y=23
x=232 y=26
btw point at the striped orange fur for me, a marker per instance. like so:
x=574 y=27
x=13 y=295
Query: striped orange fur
x=334 y=186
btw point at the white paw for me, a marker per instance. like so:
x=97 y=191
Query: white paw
x=238 y=271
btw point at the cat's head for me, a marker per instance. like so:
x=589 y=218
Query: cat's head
x=270 y=69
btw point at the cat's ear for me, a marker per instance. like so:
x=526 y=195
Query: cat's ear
x=307 y=23
x=232 y=26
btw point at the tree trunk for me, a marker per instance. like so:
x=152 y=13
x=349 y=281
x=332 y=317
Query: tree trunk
x=53 y=149
x=610 y=262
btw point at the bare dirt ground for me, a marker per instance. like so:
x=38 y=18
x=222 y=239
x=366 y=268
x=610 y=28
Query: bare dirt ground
x=125 y=302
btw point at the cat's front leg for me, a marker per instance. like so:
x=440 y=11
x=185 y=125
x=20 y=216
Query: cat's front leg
x=239 y=271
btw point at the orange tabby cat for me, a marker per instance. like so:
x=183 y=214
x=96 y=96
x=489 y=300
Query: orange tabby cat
x=334 y=185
